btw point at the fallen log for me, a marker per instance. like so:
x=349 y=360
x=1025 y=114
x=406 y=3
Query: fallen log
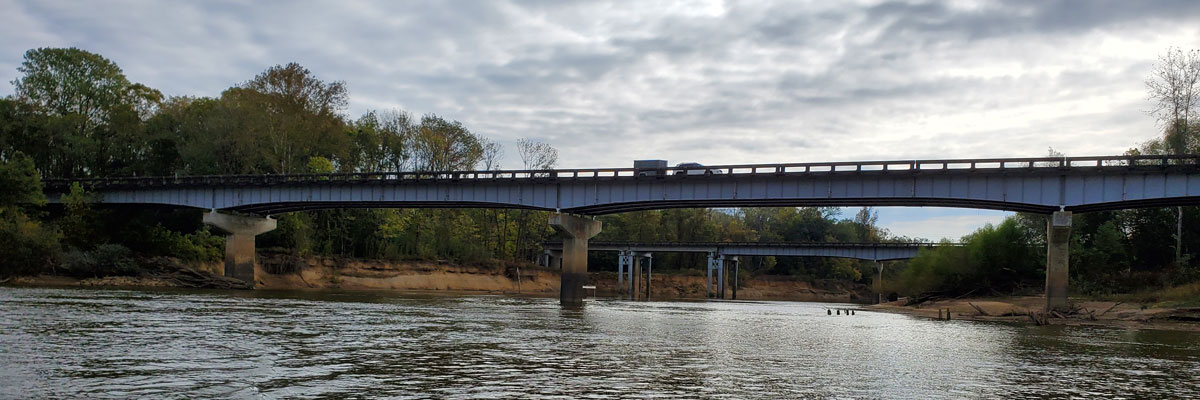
x=1113 y=306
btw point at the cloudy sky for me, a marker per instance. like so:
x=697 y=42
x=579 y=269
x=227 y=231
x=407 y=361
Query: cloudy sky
x=706 y=81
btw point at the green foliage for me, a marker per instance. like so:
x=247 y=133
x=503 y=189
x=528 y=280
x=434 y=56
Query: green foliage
x=201 y=245
x=320 y=165
x=844 y=269
x=996 y=257
x=26 y=245
x=20 y=183
x=104 y=260
x=79 y=223
x=81 y=116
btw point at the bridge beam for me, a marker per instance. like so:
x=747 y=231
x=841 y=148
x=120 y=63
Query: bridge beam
x=574 y=255
x=1058 y=238
x=239 y=243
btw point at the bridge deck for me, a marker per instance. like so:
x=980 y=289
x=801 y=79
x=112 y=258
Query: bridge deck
x=1017 y=184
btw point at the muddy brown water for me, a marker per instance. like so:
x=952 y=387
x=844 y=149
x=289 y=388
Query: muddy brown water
x=71 y=343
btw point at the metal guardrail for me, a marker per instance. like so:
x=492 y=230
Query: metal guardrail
x=713 y=171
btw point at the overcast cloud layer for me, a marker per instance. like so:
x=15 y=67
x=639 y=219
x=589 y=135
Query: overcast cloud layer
x=705 y=81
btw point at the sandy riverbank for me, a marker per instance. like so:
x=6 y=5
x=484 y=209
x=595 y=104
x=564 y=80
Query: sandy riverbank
x=1027 y=309
x=284 y=272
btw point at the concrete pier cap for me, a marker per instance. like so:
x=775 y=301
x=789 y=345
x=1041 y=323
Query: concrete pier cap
x=579 y=230
x=239 y=241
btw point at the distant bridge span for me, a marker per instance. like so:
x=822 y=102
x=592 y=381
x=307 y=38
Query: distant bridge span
x=860 y=251
x=631 y=281
x=1039 y=185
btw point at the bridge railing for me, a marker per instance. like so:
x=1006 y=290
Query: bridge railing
x=900 y=166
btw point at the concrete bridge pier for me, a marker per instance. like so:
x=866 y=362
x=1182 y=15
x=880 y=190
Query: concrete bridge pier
x=879 y=283
x=736 y=265
x=635 y=281
x=716 y=265
x=574 y=255
x=649 y=273
x=239 y=243
x=1058 y=239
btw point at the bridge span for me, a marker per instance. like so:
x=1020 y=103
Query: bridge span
x=634 y=284
x=1055 y=185
x=860 y=251
x=1040 y=185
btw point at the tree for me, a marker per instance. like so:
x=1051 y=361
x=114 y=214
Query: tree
x=1174 y=87
x=866 y=222
x=537 y=155
x=534 y=156
x=71 y=81
x=441 y=145
x=25 y=244
x=290 y=115
x=93 y=113
x=381 y=141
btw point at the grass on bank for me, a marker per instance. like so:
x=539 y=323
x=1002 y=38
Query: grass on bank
x=1179 y=296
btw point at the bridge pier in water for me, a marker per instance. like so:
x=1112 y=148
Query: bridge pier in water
x=239 y=241
x=716 y=265
x=629 y=274
x=1058 y=239
x=574 y=255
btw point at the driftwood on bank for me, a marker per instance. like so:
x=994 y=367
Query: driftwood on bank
x=977 y=308
x=172 y=271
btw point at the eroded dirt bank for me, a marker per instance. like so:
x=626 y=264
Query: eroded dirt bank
x=285 y=272
x=281 y=271
x=1028 y=309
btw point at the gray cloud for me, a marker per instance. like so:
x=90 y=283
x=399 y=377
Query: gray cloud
x=701 y=81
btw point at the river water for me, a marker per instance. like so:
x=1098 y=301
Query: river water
x=69 y=343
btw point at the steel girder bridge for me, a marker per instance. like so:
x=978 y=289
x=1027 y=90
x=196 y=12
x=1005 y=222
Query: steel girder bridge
x=1039 y=185
x=631 y=282
x=1047 y=185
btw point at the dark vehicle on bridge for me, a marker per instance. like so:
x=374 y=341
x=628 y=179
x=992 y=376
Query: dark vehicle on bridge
x=691 y=168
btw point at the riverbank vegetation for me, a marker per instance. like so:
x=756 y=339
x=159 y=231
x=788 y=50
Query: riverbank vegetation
x=74 y=114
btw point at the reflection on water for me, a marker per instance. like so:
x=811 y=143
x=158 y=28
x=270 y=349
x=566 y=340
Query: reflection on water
x=119 y=344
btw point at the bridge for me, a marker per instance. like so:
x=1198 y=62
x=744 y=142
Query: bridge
x=860 y=251
x=1054 y=185
x=631 y=281
x=1039 y=185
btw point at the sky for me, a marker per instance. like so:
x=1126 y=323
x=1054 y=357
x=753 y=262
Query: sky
x=713 y=82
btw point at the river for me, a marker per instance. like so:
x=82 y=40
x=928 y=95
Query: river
x=69 y=343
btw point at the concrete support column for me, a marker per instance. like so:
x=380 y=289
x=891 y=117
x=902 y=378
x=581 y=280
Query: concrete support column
x=708 y=277
x=716 y=266
x=635 y=290
x=649 y=273
x=879 y=283
x=1058 y=237
x=574 y=258
x=620 y=273
x=737 y=263
x=239 y=243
